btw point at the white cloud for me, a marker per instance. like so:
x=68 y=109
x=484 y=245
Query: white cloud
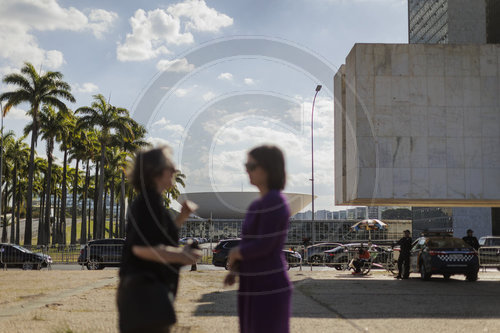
x=156 y=29
x=100 y=21
x=177 y=65
x=17 y=114
x=87 y=87
x=249 y=82
x=166 y=125
x=22 y=17
x=181 y=92
x=200 y=16
x=208 y=96
x=225 y=76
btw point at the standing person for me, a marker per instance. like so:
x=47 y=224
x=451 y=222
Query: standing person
x=265 y=291
x=471 y=240
x=404 y=256
x=151 y=258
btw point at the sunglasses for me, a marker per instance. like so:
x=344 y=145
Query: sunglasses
x=251 y=166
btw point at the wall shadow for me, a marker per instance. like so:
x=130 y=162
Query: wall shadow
x=366 y=297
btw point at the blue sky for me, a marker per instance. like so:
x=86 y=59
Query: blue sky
x=214 y=111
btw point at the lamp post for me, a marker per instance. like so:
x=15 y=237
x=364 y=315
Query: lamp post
x=318 y=88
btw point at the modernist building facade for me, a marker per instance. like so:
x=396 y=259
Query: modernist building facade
x=417 y=124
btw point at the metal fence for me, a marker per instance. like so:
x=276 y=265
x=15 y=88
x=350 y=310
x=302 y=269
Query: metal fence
x=489 y=256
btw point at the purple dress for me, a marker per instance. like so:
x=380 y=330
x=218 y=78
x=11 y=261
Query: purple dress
x=265 y=291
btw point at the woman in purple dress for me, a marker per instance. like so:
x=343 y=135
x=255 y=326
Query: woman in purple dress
x=265 y=291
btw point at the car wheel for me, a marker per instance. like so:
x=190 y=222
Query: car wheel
x=423 y=273
x=94 y=264
x=471 y=277
x=316 y=259
x=27 y=265
x=226 y=265
x=446 y=276
x=338 y=267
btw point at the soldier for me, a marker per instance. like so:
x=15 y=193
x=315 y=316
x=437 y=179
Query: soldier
x=404 y=256
x=471 y=240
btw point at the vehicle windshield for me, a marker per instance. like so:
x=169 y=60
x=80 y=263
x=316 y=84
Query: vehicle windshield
x=22 y=249
x=493 y=242
x=446 y=243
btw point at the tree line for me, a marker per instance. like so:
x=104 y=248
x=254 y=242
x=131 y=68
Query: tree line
x=102 y=137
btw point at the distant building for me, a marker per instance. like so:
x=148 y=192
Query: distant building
x=343 y=214
x=453 y=21
x=336 y=215
x=361 y=213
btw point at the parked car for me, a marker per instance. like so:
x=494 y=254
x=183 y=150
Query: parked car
x=339 y=256
x=315 y=253
x=12 y=255
x=442 y=254
x=101 y=253
x=489 y=241
x=222 y=249
x=489 y=251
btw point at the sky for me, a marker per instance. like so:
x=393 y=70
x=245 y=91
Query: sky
x=210 y=78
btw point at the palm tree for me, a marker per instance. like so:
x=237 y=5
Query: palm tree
x=18 y=153
x=35 y=89
x=67 y=124
x=129 y=145
x=49 y=123
x=7 y=140
x=105 y=118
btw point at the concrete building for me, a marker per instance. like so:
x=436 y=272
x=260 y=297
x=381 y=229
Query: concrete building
x=417 y=124
x=453 y=21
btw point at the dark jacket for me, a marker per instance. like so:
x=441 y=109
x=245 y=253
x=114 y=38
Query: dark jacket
x=405 y=246
x=472 y=241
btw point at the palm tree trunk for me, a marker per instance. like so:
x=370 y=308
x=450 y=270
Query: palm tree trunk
x=111 y=206
x=62 y=215
x=96 y=194
x=83 y=227
x=122 y=205
x=4 y=199
x=104 y=213
x=14 y=197
x=75 y=205
x=31 y=170
x=116 y=218
x=89 y=224
x=41 y=220
x=18 y=217
x=100 y=220
x=48 y=198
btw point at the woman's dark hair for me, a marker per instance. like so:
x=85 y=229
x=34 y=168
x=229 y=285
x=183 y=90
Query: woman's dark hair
x=149 y=165
x=270 y=158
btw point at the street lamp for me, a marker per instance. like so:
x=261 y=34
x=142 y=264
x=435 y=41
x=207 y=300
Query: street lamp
x=318 y=88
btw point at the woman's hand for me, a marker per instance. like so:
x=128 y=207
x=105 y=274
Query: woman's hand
x=187 y=208
x=234 y=255
x=189 y=256
x=230 y=279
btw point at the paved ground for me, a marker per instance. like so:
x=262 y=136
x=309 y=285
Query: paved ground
x=324 y=300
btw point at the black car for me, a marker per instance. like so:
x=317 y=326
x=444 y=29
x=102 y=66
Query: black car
x=314 y=253
x=443 y=254
x=222 y=249
x=12 y=255
x=101 y=253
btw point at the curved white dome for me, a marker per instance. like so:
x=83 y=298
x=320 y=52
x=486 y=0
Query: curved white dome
x=233 y=205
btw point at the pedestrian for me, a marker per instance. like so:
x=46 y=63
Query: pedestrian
x=265 y=290
x=151 y=258
x=471 y=240
x=404 y=256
